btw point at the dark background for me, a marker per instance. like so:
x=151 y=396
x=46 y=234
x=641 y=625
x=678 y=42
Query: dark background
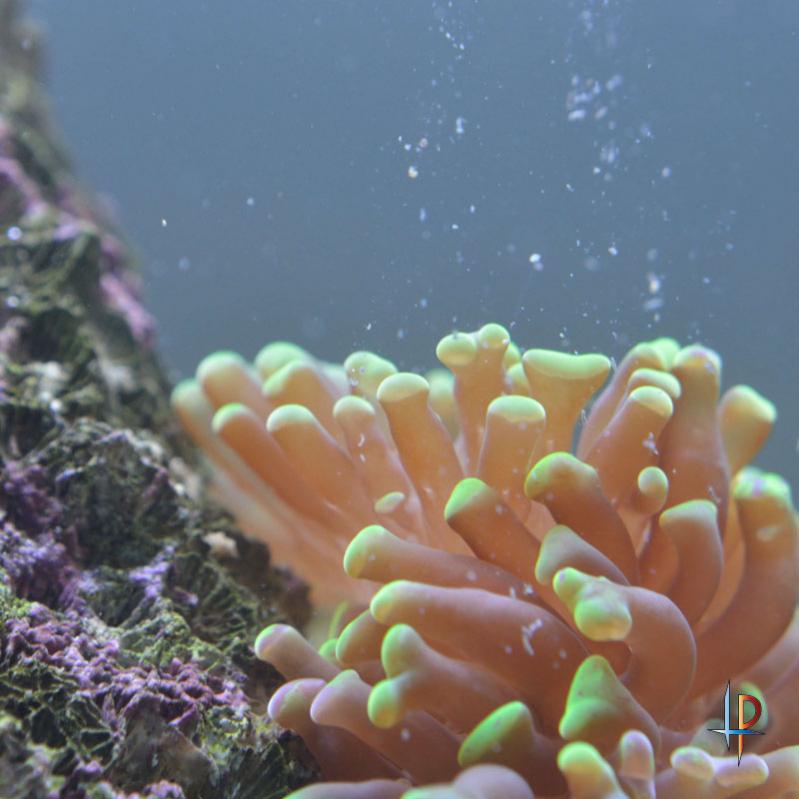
x=255 y=151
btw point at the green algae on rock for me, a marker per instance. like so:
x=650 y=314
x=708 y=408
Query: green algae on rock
x=128 y=604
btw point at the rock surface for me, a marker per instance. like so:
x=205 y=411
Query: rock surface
x=128 y=602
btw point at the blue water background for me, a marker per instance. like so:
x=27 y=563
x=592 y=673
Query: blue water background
x=375 y=174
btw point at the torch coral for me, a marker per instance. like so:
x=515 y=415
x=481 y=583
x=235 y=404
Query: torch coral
x=521 y=619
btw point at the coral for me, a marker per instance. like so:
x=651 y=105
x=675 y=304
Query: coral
x=521 y=619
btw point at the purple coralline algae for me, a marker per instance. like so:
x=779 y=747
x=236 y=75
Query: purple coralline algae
x=128 y=603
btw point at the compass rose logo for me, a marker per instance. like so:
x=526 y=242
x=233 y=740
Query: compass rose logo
x=744 y=726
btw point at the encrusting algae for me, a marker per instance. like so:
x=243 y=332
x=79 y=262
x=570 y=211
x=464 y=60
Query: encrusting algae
x=521 y=620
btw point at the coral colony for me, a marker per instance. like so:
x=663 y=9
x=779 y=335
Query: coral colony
x=521 y=620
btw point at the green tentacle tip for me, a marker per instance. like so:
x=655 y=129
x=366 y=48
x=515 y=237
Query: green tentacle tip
x=390 y=502
x=702 y=510
x=219 y=358
x=465 y=492
x=597 y=707
x=456 y=350
x=402 y=386
x=556 y=467
x=369 y=365
x=357 y=554
x=185 y=389
x=263 y=639
x=587 y=771
x=600 y=611
x=666 y=348
x=493 y=335
x=752 y=484
x=277 y=354
x=281 y=379
x=693 y=762
x=652 y=479
x=564 y=366
x=484 y=742
x=400 y=649
x=430 y=792
x=328 y=650
x=223 y=416
x=517 y=409
x=382 y=601
x=290 y=416
x=555 y=548
x=758 y=405
x=384 y=707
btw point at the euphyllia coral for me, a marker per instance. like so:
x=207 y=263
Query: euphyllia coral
x=520 y=618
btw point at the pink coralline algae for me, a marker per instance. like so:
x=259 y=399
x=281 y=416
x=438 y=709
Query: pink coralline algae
x=26 y=210
x=177 y=691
